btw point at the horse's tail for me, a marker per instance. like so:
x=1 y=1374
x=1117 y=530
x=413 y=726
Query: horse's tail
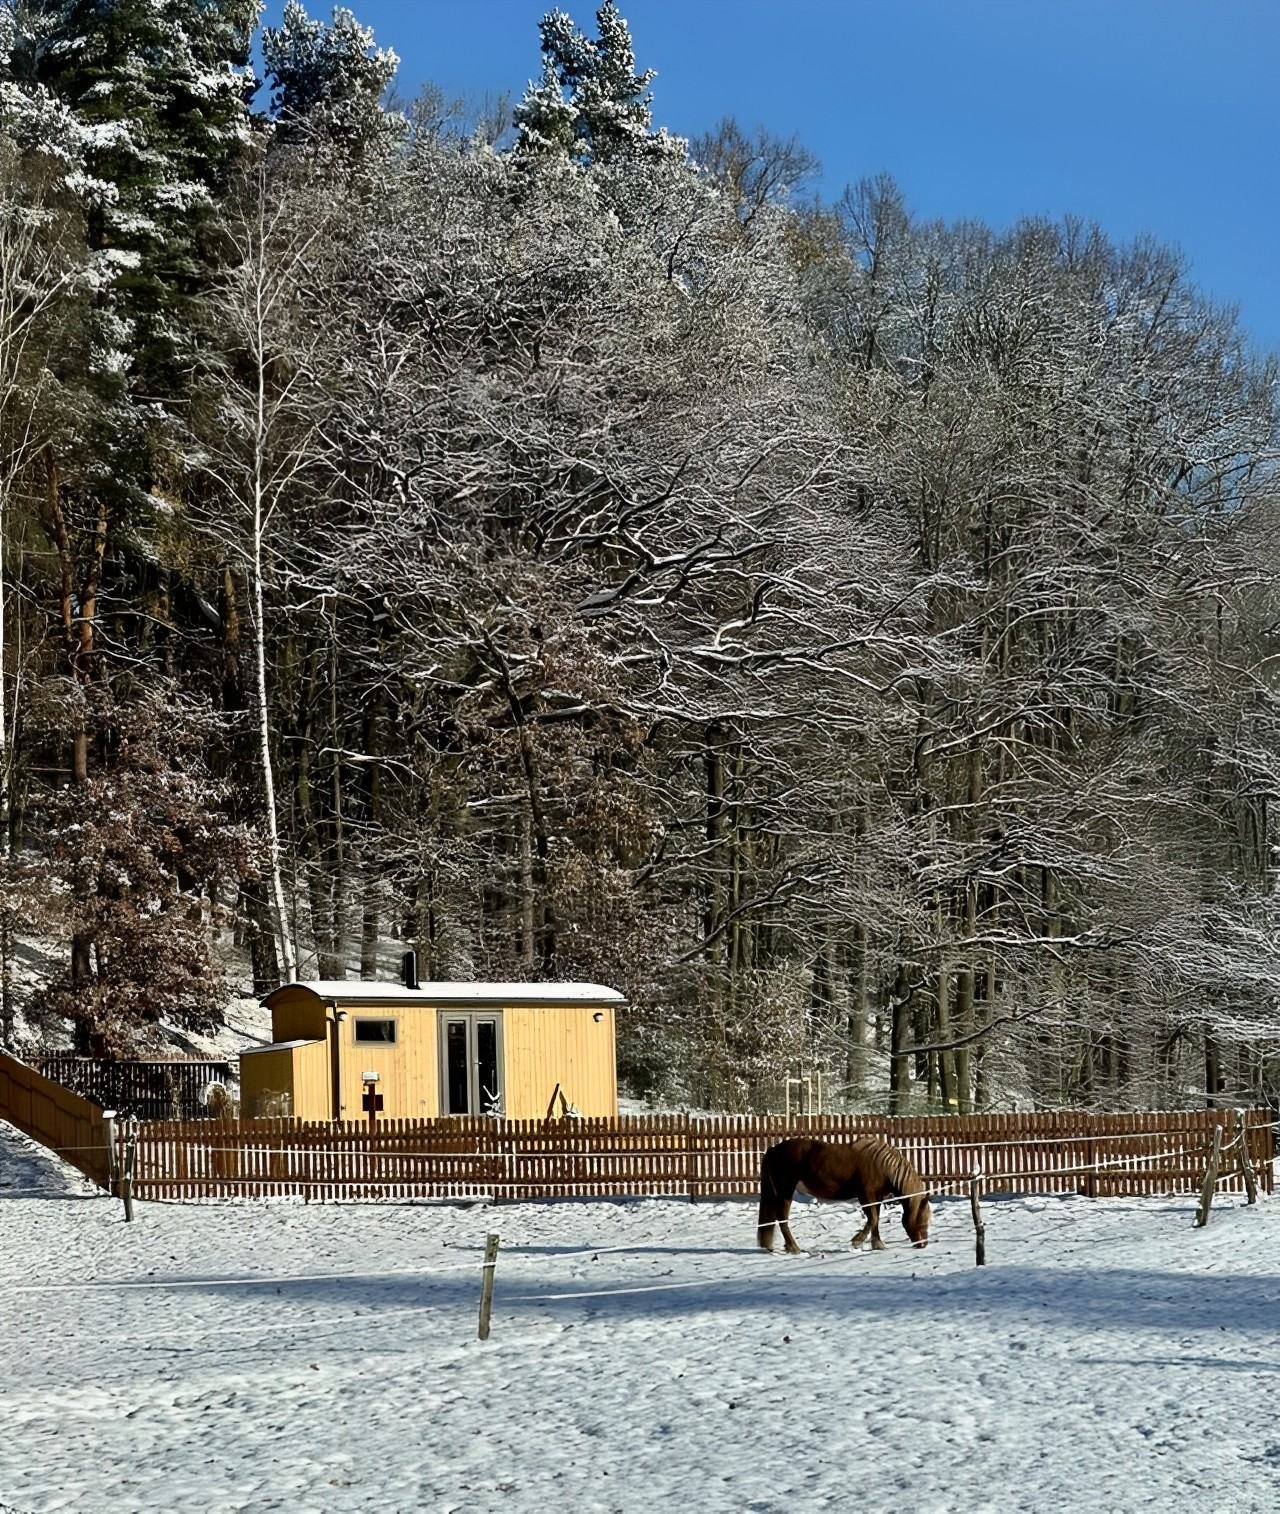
x=771 y=1207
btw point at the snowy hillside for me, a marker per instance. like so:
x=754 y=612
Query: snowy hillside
x=643 y=1356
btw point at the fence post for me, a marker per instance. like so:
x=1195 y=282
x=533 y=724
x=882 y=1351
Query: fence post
x=113 y=1167
x=486 y=1284
x=1246 y=1161
x=1210 y=1177
x=979 y=1227
x=131 y=1146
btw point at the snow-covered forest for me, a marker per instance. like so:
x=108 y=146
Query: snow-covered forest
x=579 y=552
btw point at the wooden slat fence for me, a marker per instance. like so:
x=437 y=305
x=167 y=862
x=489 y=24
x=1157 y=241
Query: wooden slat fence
x=672 y=1155
x=64 y=1121
x=169 y=1090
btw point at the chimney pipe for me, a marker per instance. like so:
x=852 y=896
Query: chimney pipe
x=410 y=969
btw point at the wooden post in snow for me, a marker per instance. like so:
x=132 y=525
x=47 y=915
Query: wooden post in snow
x=1210 y=1178
x=1246 y=1161
x=126 y=1187
x=979 y=1227
x=486 y=1285
x=113 y=1166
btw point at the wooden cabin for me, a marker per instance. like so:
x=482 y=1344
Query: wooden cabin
x=430 y=1049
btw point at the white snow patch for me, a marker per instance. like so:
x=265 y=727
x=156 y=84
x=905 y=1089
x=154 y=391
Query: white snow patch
x=644 y=1355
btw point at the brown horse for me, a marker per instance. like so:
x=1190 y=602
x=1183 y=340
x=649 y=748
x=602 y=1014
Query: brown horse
x=870 y=1171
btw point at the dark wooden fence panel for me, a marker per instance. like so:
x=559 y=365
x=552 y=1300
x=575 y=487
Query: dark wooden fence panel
x=672 y=1155
x=146 y=1090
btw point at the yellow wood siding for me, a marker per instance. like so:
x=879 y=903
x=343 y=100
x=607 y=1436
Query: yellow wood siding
x=312 y=1082
x=300 y=1072
x=297 y=1015
x=544 y=1045
x=264 y=1075
x=409 y=1075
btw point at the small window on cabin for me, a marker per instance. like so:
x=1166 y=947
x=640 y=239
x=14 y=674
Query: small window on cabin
x=383 y=1031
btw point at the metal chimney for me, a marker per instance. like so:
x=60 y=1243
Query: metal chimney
x=410 y=969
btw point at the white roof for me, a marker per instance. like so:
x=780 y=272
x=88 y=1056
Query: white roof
x=355 y=991
x=250 y=1051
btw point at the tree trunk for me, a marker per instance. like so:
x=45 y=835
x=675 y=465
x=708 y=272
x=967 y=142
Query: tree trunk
x=855 y=1069
x=258 y=628
x=527 y=890
x=260 y=929
x=338 y=861
x=1212 y=1070
x=370 y=913
x=946 y=1057
x=900 y=1045
x=370 y=921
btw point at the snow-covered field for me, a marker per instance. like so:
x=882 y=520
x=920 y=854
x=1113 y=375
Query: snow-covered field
x=644 y=1356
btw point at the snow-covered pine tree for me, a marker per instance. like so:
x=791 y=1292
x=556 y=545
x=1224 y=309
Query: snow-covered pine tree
x=545 y=118
x=160 y=91
x=142 y=108
x=608 y=112
x=330 y=78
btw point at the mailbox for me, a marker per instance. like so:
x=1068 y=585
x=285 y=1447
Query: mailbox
x=372 y=1100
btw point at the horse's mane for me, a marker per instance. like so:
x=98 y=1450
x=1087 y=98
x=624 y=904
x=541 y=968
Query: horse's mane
x=903 y=1178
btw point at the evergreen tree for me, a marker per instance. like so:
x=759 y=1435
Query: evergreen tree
x=145 y=103
x=608 y=112
x=330 y=79
x=160 y=90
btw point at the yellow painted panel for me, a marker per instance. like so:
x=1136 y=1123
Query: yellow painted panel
x=407 y=1070
x=546 y=1044
x=297 y=1015
x=265 y=1078
x=300 y=1073
x=312 y=1083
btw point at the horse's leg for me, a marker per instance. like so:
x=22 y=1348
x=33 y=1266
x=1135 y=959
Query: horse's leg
x=873 y=1223
x=784 y=1216
x=785 y=1192
x=866 y=1229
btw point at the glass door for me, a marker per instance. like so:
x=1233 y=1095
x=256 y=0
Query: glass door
x=470 y=1063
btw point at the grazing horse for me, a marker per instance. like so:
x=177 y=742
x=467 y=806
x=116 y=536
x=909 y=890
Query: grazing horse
x=870 y=1171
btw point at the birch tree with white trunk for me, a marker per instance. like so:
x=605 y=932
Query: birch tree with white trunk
x=258 y=442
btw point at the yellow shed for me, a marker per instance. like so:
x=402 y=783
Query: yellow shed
x=434 y=1049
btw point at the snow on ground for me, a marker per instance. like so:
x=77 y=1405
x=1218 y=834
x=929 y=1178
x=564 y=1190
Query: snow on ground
x=644 y=1356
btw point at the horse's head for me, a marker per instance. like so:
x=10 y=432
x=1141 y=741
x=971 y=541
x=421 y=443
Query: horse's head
x=916 y=1215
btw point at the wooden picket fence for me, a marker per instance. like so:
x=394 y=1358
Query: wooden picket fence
x=675 y=1155
x=55 y=1116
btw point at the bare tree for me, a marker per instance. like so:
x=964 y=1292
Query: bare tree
x=258 y=443
x=757 y=170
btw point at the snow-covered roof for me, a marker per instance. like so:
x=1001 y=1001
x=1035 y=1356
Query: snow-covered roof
x=357 y=992
x=250 y=1051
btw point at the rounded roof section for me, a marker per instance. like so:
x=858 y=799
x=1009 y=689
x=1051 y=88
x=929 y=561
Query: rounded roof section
x=353 y=991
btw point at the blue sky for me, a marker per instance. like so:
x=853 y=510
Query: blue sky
x=1154 y=116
